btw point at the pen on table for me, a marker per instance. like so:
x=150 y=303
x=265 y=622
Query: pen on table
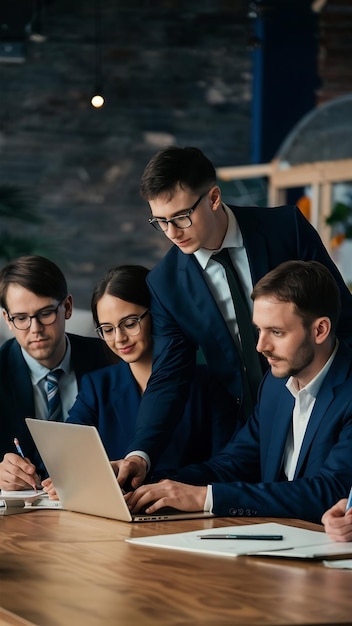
x=248 y=537
x=20 y=452
x=349 y=501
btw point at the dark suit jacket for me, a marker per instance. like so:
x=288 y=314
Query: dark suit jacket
x=185 y=316
x=247 y=474
x=109 y=399
x=16 y=391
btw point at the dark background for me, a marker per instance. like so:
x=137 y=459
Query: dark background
x=229 y=77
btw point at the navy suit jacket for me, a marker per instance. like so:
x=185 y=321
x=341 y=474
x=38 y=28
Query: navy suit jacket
x=16 y=391
x=109 y=399
x=247 y=475
x=185 y=316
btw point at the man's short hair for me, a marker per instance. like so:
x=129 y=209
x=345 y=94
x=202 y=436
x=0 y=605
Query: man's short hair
x=35 y=273
x=309 y=285
x=173 y=167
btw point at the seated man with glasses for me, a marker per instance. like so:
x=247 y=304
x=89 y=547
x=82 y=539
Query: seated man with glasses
x=41 y=367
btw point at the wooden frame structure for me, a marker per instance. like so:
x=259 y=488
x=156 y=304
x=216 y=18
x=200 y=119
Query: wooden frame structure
x=319 y=175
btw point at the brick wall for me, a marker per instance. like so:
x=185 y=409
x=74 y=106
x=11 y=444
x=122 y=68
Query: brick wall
x=335 y=50
x=174 y=72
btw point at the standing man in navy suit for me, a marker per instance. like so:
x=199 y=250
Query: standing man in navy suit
x=192 y=305
x=35 y=302
x=292 y=458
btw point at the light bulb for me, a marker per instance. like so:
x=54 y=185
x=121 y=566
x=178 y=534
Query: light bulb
x=97 y=101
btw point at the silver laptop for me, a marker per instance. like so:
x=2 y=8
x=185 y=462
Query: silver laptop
x=78 y=465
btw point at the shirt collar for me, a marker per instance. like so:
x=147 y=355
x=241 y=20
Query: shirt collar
x=314 y=385
x=38 y=371
x=232 y=239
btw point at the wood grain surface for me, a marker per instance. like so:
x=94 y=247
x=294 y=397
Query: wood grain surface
x=66 y=569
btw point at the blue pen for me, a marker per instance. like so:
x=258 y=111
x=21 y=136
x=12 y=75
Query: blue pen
x=349 y=501
x=248 y=537
x=20 y=452
x=18 y=447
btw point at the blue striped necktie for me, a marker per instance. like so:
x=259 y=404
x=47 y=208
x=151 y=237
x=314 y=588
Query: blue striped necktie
x=53 y=395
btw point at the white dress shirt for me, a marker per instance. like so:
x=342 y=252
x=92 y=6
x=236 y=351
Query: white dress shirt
x=304 y=403
x=215 y=275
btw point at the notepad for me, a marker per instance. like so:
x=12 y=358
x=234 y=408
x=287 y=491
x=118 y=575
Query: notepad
x=341 y=564
x=22 y=501
x=27 y=495
x=296 y=542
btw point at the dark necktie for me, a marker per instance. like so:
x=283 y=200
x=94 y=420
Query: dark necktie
x=251 y=368
x=53 y=395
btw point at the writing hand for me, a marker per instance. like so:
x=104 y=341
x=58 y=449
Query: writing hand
x=17 y=473
x=338 y=522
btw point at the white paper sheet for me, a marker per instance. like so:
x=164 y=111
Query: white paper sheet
x=296 y=542
x=343 y=564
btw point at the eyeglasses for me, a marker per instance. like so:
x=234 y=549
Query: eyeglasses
x=129 y=326
x=180 y=221
x=46 y=317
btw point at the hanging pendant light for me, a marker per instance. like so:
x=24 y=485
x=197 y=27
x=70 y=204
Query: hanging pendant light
x=97 y=100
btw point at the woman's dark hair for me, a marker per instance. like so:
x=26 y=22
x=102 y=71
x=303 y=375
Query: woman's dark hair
x=35 y=273
x=127 y=282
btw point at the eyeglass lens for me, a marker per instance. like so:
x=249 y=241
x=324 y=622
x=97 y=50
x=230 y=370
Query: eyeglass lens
x=180 y=221
x=45 y=318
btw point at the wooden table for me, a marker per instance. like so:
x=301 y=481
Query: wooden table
x=66 y=569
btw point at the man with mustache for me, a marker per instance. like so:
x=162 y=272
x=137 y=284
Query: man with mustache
x=292 y=458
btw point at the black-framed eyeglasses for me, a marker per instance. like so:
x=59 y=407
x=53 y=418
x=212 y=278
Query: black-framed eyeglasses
x=129 y=326
x=180 y=221
x=45 y=317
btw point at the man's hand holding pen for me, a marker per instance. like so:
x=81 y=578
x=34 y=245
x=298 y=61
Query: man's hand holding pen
x=17 y=472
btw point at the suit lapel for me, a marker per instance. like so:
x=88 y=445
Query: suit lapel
x=126 y=397
x=200 y=298
x=254 y=242
x=280 y=425
x=23 y=391
x=206 y=325
x=192 y=278
x=320 y=409
x=335 y=377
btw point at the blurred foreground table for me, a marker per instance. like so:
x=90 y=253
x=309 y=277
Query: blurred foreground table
x=67 y=569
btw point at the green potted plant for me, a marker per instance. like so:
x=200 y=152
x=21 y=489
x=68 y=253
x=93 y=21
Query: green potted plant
x=340 y=220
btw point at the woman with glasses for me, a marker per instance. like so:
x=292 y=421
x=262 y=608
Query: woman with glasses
x=109 y=399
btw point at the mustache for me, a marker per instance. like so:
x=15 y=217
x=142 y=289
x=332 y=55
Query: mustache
x=271 y=355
